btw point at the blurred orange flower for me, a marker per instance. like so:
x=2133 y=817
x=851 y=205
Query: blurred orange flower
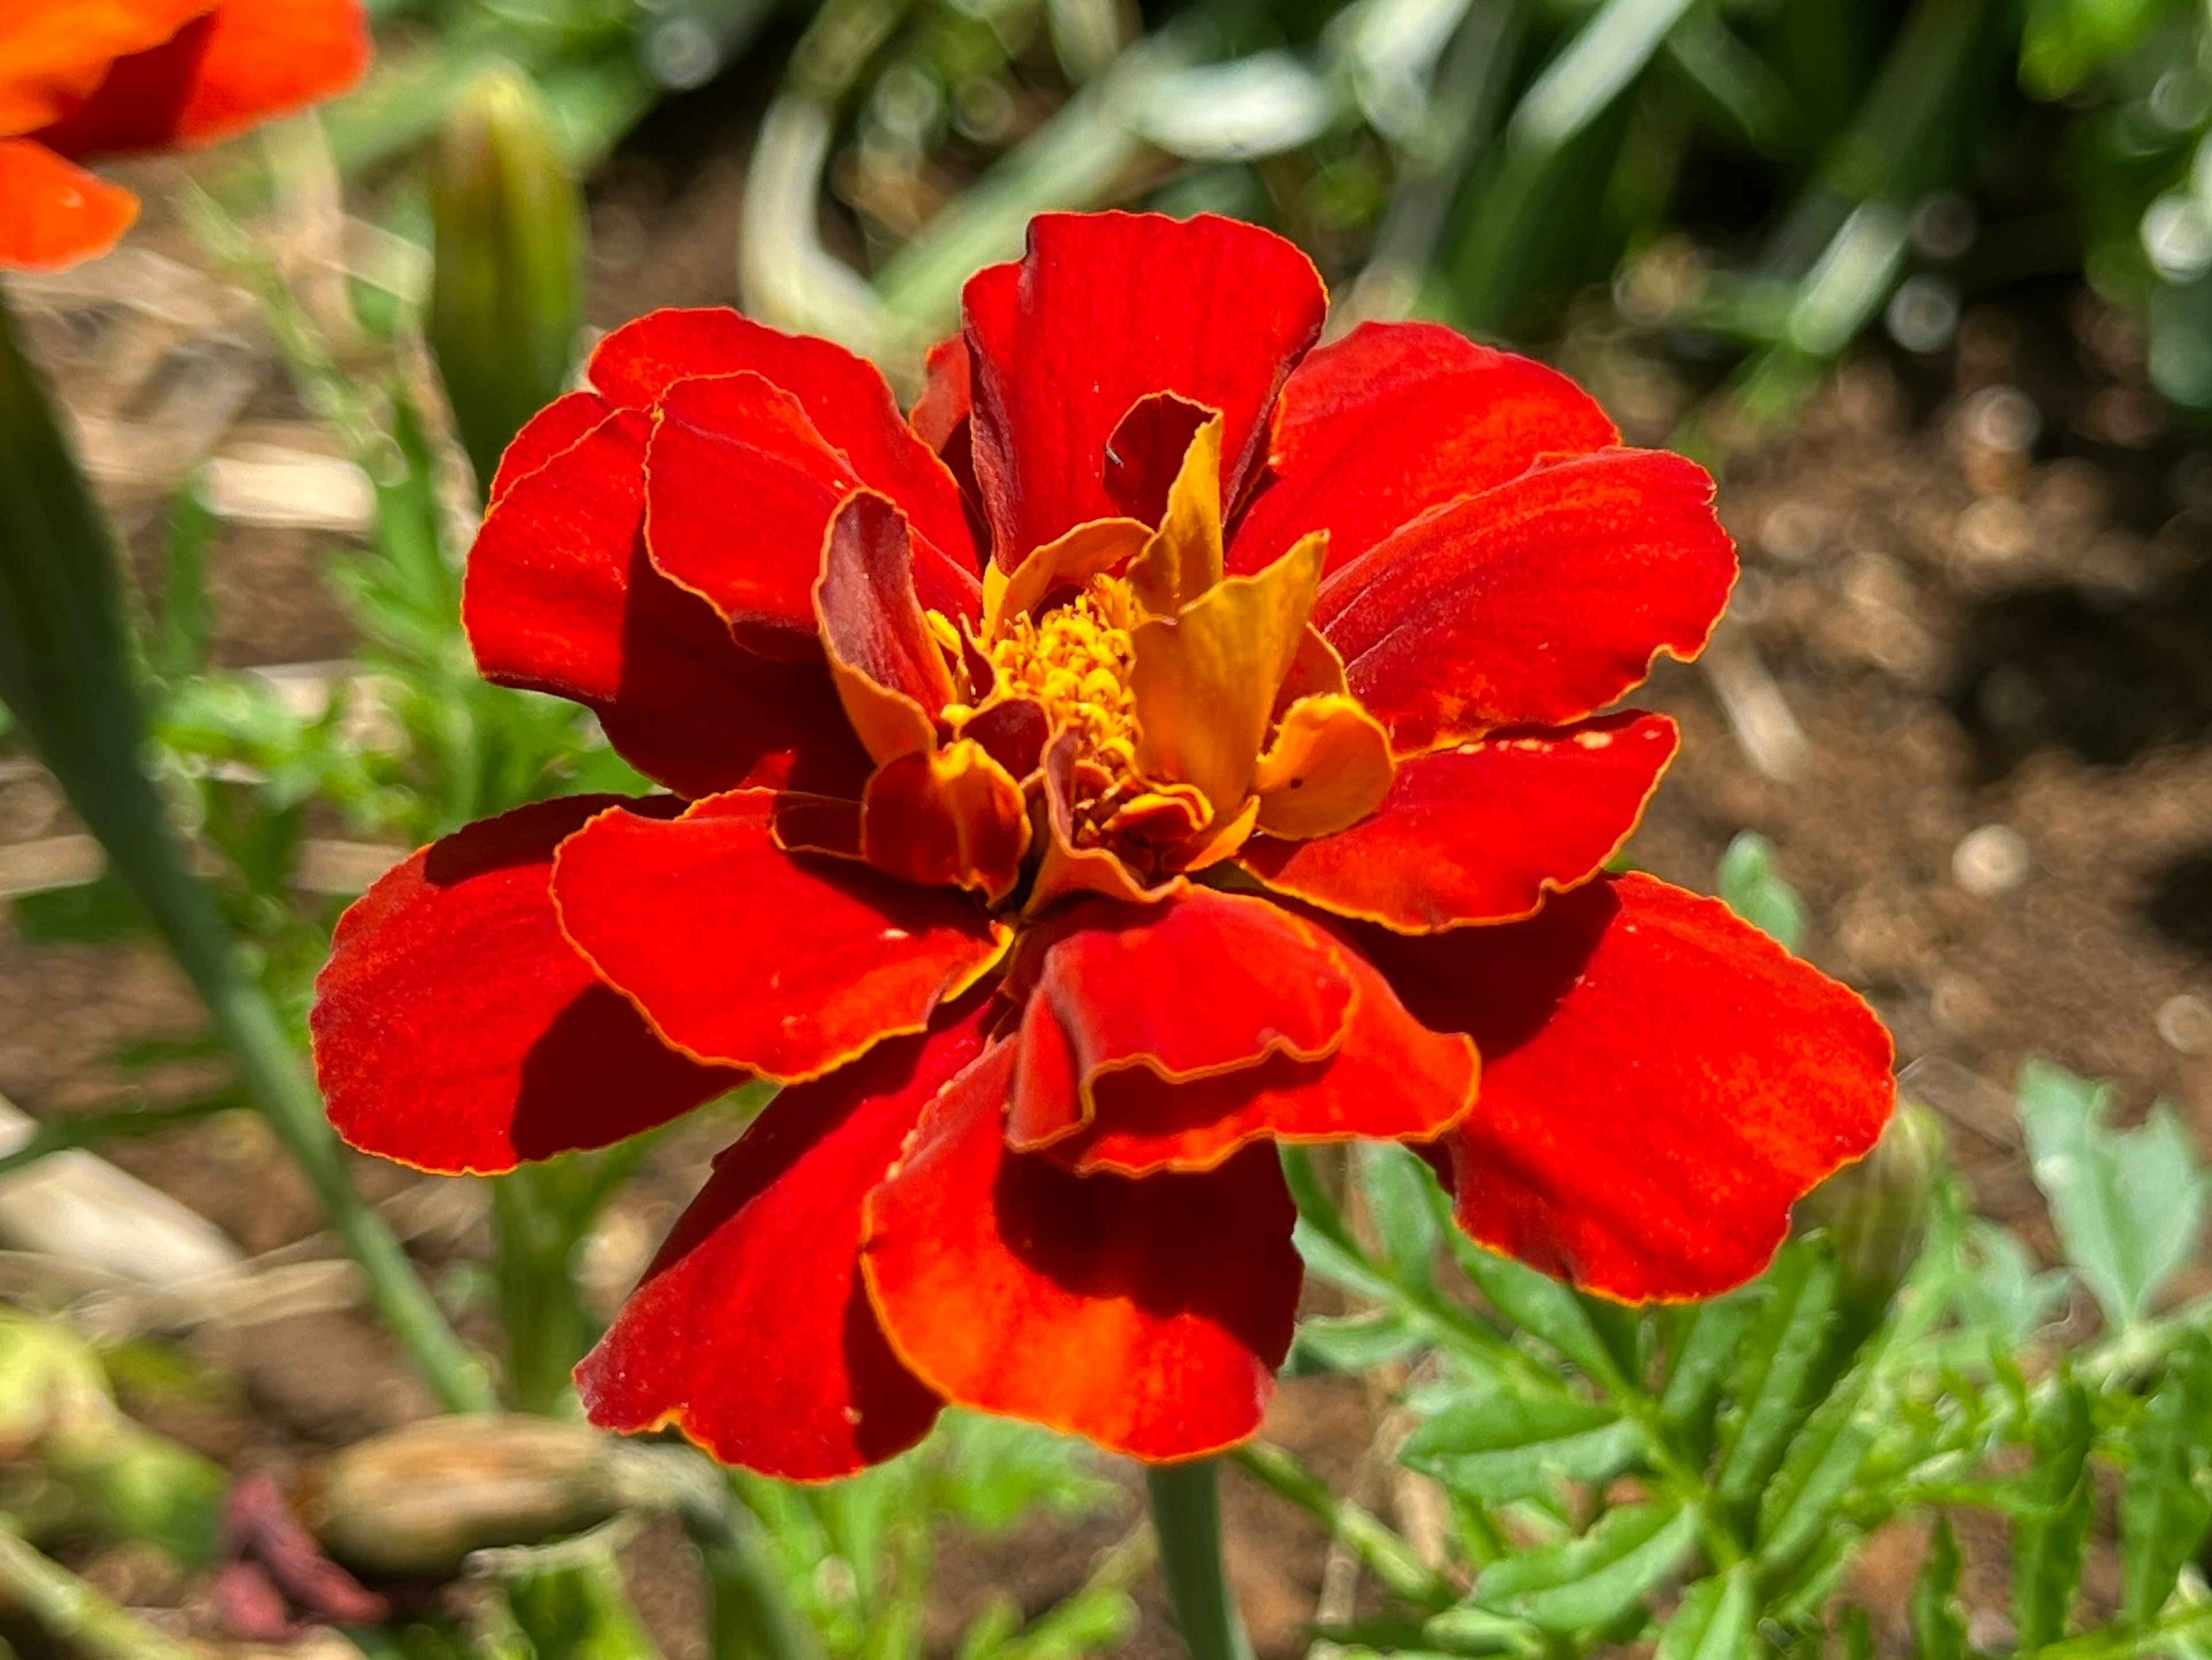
x=84 y=79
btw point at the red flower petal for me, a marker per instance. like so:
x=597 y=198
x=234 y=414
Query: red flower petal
x=52 y=212
x=54 y=52
x=1205 y=982
x=561 y=597
x=1532 y=604
x=1147 y=1315
x=241 y=63
x=942 y=410
x=739 y=492
x=752 y=1332
x=561 y=425
x=890 y=670
x=1107 y=308
x=1661 y=1083
x=1396 y=419
x=845 y=396
x=457 y=1028
x=1481 y=832
x=741 y=954
x=1390 y=1079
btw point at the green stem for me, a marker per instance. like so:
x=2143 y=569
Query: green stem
x=1187 y=1518
x=63 y=672
x=1385 y=1555
x=753 y=1618
x=73 y=1613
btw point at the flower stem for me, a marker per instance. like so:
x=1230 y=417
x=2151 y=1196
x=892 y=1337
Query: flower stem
x=63 y=674
x=1187 y=1517
x=72 y=1612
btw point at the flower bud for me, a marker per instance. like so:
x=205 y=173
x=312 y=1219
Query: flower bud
x=505 y=304
x=1876 y=1212
x=416 y=1501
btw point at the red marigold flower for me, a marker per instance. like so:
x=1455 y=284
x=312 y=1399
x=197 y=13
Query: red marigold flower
x=1175 y=738
x=82 y=79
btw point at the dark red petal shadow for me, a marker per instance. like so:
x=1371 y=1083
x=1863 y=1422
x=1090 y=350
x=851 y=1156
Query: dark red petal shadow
x=243 y=62
x=456 y=1028
x=1661 y=1083
x=752 y=1332
x=560 y=596
x=1479 y=832
x=1148 y=1316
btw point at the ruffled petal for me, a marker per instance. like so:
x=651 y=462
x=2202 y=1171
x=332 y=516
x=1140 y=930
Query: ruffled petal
x=890 y=670
x=1148 y=1317
x=845 y=396
x=741 y=954
x=1481 y=832
x=1390 y=1079
x=752 y=1332
x=561 y=425
x=1328 y=766
x=1534 y=604
x=561 y=597
x=942 y=410
x=1375 y=429
x=53 y=53
x=456 y=1028
x=1105 y=309
x=1206 y=982
x=1661 y=1083
x=948 y=817
x=232 y=69
x=740 y=490
x=52 y=212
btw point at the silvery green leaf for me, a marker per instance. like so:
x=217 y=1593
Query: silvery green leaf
x=2128 y=1204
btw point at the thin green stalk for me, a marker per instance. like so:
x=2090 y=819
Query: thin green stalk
x=752 y=1616
x=62 y=673
x=72 y=1613
x=1187 y=1518
x=1383 y=1554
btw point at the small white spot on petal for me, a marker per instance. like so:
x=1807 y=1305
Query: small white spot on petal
x=1594 y=740
x=893 y=935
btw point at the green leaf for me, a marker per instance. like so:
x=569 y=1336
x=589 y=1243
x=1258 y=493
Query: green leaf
x=1713 y=1621
x=1711 y=1342
x=1583 y=1585
x=2049 y=1540
x=1939 y=1625
x=2127 y=1203
x=2067 y=41
x=1538 y=1304
x=2165 y=1503
x=1780 y=1352
x=1501 y=1445
x=1404 y=1199
x=1353 y=1343
x=186 y=614
x=1752 y=887
x=1823 y=1460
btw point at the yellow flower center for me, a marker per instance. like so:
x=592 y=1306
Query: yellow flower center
x=1075 y=661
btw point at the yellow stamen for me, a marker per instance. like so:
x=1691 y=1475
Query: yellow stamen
x=1075 y=661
